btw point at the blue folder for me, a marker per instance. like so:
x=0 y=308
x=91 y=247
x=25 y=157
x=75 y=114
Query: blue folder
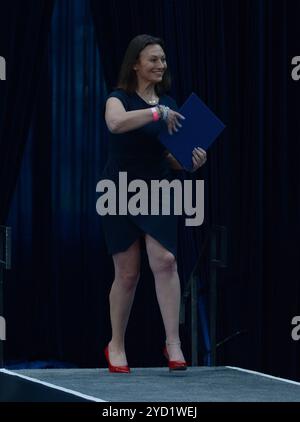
x=199 y=129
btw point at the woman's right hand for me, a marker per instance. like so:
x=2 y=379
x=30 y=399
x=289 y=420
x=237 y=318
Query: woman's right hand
x=173 y=121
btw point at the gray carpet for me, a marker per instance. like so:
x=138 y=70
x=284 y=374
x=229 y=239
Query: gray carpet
x=201 y=384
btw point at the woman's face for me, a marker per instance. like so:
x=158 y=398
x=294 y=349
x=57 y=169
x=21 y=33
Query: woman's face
x=151 y=64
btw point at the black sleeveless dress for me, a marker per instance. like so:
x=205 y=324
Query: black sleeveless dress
x=142 y=156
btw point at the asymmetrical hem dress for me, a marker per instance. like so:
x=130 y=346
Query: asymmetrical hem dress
x=139 y=153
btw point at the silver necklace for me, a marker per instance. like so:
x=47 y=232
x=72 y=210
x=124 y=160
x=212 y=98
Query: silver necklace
x=153 y=101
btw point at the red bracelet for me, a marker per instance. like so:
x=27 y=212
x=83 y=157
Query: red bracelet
x=155 y=114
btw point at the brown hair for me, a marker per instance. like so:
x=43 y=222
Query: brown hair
x=127 y=77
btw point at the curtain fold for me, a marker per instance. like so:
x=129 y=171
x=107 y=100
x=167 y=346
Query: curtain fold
x=24 y=32
x=60 y=267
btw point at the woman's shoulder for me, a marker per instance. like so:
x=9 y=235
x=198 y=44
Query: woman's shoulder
x=121 y=94
x=118 y=93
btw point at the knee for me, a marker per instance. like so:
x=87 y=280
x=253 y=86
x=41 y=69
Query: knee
x=165 y=263
x=128 y=278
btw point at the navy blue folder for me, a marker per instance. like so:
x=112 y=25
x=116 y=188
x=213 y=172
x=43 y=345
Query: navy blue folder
x=199 y=129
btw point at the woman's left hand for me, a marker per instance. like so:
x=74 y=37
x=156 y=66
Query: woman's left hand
x=198 y=158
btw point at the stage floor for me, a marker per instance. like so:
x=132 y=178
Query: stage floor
x=197 y=384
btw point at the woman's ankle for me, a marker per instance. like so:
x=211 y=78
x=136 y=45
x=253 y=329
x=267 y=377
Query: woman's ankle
x=116 y=346
x=173 y=342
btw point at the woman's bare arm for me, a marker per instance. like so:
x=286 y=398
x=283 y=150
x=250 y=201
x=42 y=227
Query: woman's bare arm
x=119 y=120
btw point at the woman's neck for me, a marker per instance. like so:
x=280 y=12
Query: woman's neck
x=147 y=89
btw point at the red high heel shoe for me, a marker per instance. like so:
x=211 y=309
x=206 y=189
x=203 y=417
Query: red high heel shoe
x=117 y=369
x=174 y=365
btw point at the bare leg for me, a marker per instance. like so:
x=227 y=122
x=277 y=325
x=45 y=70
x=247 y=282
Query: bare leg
x=127 y=269
x=167 y=286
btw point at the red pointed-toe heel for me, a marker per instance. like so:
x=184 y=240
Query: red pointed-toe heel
x=116 y=369
x=174 y=365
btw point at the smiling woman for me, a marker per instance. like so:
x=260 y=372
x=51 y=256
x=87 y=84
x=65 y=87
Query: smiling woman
x=145 y=62
x=152 y=66
x=135 y=113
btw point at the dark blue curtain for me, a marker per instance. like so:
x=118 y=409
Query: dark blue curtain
x=236 y=55
x=24 y=30
x=79 y=262
x=24 y=27
x=58 y=280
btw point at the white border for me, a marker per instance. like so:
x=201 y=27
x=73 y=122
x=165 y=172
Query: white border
x=263 y=375
x=47 y=384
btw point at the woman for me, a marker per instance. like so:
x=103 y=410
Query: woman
x=135 y=113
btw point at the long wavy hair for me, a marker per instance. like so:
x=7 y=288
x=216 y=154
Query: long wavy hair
x=127 y=77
